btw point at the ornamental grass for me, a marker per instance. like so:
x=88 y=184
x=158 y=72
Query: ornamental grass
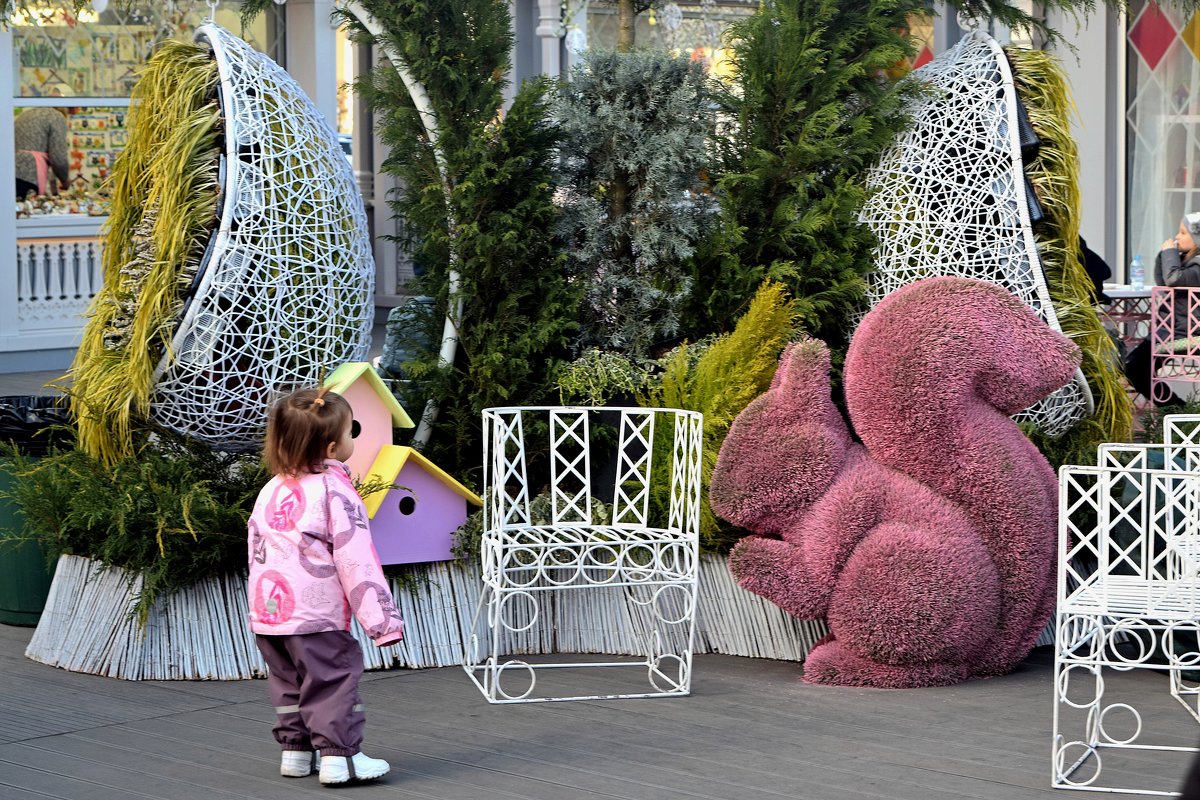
x=165 y=189
x=1054 y=173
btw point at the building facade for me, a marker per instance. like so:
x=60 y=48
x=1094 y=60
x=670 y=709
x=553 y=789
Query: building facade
x=1136 y=81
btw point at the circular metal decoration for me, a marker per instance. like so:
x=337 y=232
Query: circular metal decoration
x=286 y=293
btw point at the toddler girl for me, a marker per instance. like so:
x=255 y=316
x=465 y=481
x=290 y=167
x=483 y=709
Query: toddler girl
x=312 y=563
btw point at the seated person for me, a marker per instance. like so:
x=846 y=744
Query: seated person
x=1178 y=265
x=1097 y=269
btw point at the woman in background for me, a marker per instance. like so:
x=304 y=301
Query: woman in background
x=40 y=141
x=1177 y=265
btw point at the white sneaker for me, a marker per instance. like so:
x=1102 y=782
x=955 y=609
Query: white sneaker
x=359 y=767
x=298 y=763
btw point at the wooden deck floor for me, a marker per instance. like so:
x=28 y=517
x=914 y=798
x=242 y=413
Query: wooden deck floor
x=750 y=730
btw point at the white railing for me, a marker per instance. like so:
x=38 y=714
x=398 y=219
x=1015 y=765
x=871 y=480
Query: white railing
x=56 y=280
x=58 y=271
x=50 y=276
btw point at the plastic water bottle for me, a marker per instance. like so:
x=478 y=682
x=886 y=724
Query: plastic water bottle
x=1137 y=273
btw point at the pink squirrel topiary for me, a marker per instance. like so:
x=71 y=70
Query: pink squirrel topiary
x=929 y=547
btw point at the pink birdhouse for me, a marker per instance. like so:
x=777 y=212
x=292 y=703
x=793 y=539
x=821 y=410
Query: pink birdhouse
x=413 y=521
x=376 y=412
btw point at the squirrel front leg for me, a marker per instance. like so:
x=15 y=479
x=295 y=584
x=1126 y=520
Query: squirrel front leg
x=776 y=570
x=799 y=572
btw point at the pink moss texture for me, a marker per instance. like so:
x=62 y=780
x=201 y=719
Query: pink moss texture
x=929 y=547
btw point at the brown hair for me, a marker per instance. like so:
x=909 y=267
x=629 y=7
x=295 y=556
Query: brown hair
x=300 y=428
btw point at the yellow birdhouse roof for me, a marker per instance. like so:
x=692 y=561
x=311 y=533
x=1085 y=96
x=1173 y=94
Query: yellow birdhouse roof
x=341 y=378
x=387 y=466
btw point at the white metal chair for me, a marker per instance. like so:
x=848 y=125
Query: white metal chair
x=1128 y=598
x=642 y=562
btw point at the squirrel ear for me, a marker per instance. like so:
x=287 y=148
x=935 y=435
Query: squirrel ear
x=800 y=389
x=804 y=364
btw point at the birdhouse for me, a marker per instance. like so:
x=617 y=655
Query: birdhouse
x=412 y=522
x=376 y=412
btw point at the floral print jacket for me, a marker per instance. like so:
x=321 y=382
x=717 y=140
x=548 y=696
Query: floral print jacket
x=312 y=561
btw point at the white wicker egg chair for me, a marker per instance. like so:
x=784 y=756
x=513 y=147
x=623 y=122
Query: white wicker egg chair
x=948 y=198
x=285 y=291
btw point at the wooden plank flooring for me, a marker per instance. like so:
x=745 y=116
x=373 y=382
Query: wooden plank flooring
x=750 y=731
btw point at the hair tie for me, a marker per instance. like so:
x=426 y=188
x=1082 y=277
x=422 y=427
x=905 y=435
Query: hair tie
x=319 y=400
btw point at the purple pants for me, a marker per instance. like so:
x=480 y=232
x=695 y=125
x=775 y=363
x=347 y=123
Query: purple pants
x=313 y=682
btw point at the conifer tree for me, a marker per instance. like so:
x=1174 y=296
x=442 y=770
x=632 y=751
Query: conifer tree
x=518 y=310
x=810 y=107
x=640 y=120
x=607 y=201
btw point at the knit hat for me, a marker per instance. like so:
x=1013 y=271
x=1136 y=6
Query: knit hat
x=1192 y=223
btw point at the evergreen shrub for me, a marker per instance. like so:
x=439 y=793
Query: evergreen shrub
x=601 y=377
x=725 y=377
x=174 y=511
x=487 y=213
x=635 y=128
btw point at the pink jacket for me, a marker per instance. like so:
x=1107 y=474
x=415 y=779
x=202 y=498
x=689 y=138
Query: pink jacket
x=312 y=561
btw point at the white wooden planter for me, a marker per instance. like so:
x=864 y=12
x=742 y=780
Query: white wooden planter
x=201 y=632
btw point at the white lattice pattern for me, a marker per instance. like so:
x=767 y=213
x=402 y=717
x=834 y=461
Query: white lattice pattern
x=286 y=291
x=1128 y=598
x=948 y=198
x=1175 y=359
x=642 y=564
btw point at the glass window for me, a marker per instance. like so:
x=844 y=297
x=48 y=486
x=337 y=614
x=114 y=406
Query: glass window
x=1162 y=123
x=695 y=28
x=347 y=100
x=79 y=143
x=97 y=54
x=82 y=68
x=921 y=28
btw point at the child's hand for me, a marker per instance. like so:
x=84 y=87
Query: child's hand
x=1169 y=244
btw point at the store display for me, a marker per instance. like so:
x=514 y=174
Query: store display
x=90 y=204
x=96 y=137
x=95 y=54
